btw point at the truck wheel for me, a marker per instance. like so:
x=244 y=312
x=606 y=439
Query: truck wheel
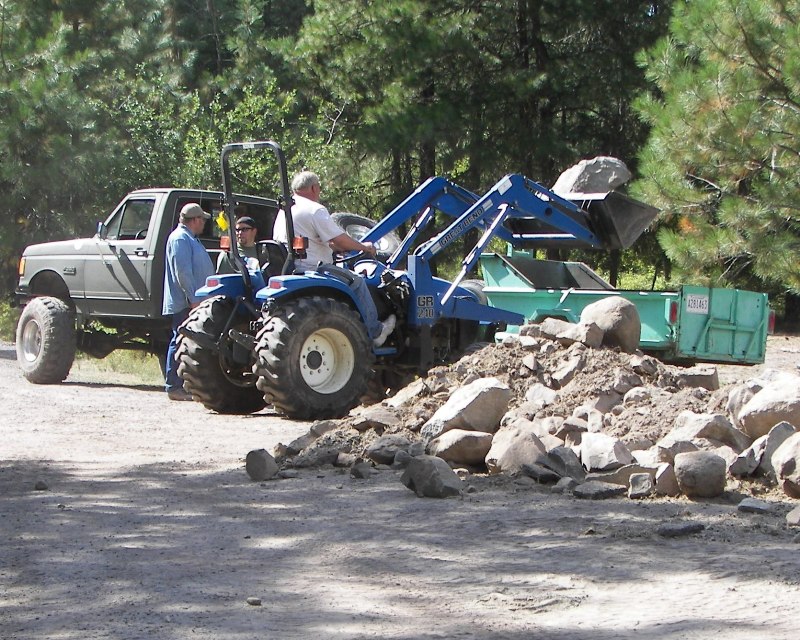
x=46 y=340
x=314 y=358
x=358 y=226
x=212 y=375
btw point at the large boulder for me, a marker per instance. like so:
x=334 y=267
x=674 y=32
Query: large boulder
x=619 y=320
x=776 y=402
x=477 y=406
x=514 y=446
x=431 y=477
x=700 y=474
x=601 y=452
x=786 y=463
x=461 y=447
x=596 y=175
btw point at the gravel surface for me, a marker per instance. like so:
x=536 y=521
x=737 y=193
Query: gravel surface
x=145 y=525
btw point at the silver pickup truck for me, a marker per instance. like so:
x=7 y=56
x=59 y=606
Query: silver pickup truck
x=104 y=293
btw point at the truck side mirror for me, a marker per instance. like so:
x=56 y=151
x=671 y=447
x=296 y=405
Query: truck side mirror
x=102 y=230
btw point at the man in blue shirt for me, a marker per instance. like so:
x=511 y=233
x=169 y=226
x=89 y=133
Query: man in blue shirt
x=187 y=267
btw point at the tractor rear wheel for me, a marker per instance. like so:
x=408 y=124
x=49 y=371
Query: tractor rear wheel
x=46 y=340
x=313 y=358
x=217 y=374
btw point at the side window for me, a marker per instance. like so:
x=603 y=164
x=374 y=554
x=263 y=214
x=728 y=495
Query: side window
x=131 y=220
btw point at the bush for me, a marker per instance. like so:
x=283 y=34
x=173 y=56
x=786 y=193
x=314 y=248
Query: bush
x=8 y=320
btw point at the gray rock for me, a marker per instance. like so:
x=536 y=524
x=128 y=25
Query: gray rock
x=600 y=452
x=564 y=485
x=786 y=463
x=700 y=474
x=600 y=174
x=619 y=320
x=361 y=470
x=690 y=426
x=748 y=460
x=644 y=365
x=565 y=462
x=385 y=448
x=793 y=517
x=773 y=404
x=401 y=459
x=653 y=456
x=752 y=505
x=407 y=394
x=679 y=529
x=381 y=418
x=41 y=485
x=260 y=465
x=595 y=490
x=431 y=477
x=564 y=374
x=666 y=482
x=540 y=474
x=512 y=447
x=621 y=476
x=703 y=376
x=641 y=485
x=775 y=438
x=461 y=447
x=739 y=396
x=540 y=395
x=478 y=406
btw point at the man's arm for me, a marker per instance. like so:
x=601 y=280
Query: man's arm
x=344 y=242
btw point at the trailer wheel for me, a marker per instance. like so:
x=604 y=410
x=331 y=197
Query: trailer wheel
x=46 y=340
x=221 y=376
x=313 y=358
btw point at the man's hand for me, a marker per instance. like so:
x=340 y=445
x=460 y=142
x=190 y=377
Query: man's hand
x=370 y=248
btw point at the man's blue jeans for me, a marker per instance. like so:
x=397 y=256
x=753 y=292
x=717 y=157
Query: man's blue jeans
x=173 y=381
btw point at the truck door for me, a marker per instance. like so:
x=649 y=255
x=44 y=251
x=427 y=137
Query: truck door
x=118 y=281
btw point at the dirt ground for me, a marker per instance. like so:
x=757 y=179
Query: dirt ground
x=150 y=528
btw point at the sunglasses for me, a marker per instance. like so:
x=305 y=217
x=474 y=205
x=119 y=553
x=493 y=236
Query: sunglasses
x=244 y=229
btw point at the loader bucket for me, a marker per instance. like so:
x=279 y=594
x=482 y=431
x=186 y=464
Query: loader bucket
x=616 y=219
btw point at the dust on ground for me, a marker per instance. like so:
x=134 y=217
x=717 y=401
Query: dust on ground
x=150 y=528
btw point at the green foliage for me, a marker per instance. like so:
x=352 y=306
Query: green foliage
x=8 y=321
x=723 y=161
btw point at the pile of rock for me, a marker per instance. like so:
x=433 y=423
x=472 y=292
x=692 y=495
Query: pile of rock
x=555 y=405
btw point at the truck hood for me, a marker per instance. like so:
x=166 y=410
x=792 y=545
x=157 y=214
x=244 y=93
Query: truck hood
x=60 y=248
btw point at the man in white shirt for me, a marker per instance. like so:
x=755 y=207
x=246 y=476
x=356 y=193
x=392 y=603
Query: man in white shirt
x=313 y=221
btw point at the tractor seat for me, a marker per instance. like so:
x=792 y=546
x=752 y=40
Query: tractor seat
x=272 y=255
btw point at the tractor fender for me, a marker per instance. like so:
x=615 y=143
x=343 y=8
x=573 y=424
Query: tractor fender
x=230 y=285
x=289 y=287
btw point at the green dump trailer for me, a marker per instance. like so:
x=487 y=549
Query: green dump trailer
x=689 y=325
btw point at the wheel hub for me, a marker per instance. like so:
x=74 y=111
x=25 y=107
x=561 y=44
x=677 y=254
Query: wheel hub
x=31 y=341
x=327 y=361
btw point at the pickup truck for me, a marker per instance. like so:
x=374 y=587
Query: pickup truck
x=104 y=293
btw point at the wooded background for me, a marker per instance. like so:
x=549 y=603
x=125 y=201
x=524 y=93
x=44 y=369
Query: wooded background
x=700 y=98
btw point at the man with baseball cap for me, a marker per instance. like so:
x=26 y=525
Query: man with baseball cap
x=246 y=232
x=187 y=267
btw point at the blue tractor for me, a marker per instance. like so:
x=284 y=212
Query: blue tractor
x=298 y=340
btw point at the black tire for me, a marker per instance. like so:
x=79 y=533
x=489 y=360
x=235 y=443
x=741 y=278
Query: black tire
x=471 y=331
x=212 y=375
x=313 y=358
x=46 y=340
x=476 y=287
x=358 y=226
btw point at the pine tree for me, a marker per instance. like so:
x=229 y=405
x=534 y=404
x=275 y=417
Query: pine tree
x=723 y=160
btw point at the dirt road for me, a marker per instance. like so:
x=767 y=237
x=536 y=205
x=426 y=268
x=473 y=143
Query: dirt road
x=150 y=528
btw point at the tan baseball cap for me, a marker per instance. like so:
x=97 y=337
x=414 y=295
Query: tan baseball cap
x=194 y=210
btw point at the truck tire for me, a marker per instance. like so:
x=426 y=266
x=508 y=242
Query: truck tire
x=358 y=226
x=46 y=340
x=470 y=330
x=313 y=358
x=209 y=373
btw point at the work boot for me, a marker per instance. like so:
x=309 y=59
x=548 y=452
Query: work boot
x=181 y=395
x=388 y=326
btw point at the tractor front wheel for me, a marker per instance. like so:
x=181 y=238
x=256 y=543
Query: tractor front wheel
x=313 y=358
x=216 y=370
